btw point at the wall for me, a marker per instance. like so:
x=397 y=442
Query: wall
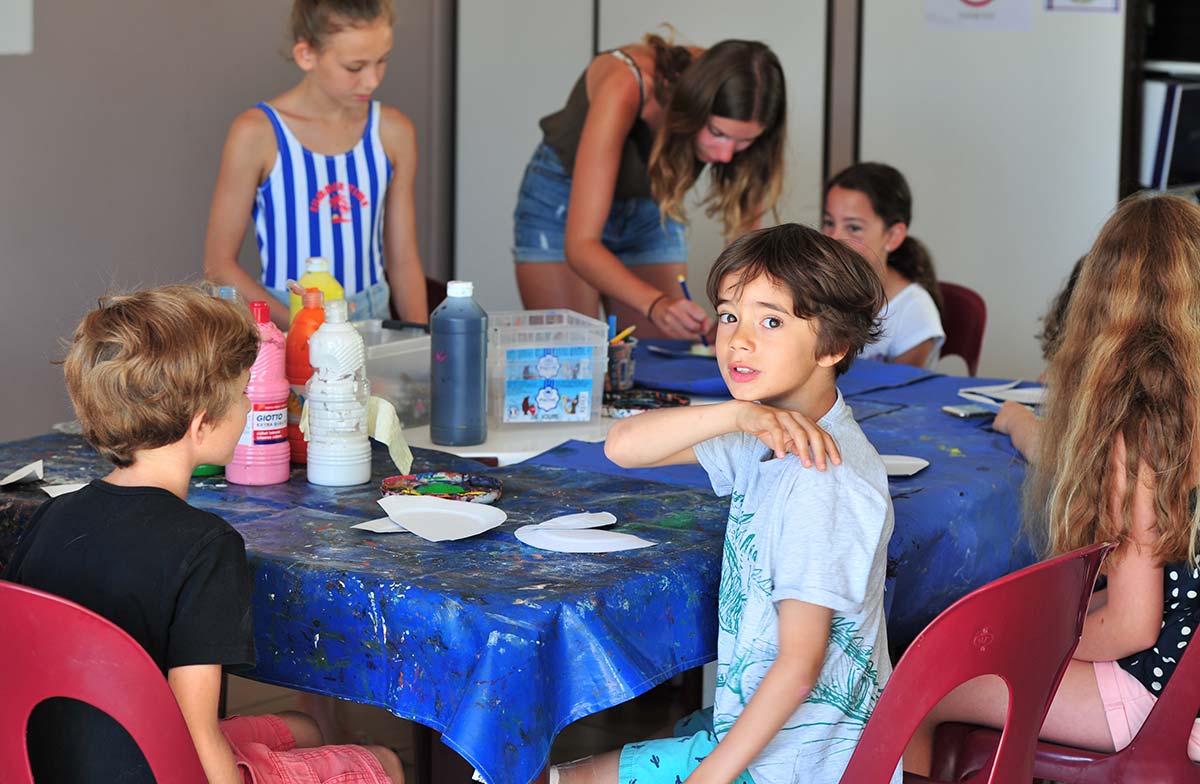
x=112 y=131
x=1011 y=142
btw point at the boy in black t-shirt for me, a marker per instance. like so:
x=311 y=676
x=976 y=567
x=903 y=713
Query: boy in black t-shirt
x=158 y=381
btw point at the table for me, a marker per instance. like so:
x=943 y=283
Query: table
x=499 y=646
x=495 y=645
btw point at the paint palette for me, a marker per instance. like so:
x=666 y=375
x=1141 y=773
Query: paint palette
x=627 y=403
x=475 y=488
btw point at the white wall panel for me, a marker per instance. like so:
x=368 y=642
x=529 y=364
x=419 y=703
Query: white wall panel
x=517 y=60
x=1011 y=143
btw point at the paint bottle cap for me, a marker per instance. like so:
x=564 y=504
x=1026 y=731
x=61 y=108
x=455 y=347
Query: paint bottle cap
x=316 y=264
x=261 y=311
x=335 y=311
x=460 y=288
x=313 y=298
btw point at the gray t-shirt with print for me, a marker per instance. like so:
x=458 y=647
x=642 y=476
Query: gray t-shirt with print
x=820 y=537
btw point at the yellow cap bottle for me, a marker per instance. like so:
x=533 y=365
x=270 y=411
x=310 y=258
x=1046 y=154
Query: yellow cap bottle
x=316 y=275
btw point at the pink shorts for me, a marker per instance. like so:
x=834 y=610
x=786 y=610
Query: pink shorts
x=266 y=753
x=1127 y=703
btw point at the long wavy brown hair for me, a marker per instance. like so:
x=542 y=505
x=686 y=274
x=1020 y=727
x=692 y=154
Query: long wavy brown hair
x=1128 y=365
x=740 y=80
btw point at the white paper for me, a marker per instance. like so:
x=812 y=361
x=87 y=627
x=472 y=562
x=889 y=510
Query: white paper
x=979 y=14
x=579 y=540
x=382 y=525
x=30 y=473
x=988 y=395
x=903 y=465
x=54 y=491
x=580 y=520
x=439 y=519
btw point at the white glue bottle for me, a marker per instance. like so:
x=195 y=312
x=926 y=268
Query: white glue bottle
x=339 y=452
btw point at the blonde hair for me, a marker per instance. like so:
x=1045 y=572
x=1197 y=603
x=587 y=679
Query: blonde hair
x=740 y=80
x=1128 y=366
x=314 y=21
x=141 y=366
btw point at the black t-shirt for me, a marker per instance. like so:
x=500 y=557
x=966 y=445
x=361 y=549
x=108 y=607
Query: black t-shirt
x=175 y=578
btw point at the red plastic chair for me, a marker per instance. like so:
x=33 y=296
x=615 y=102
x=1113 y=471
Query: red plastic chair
x=1158 y=753
x=1009 y=628
x=55 y=648
x=964 y=315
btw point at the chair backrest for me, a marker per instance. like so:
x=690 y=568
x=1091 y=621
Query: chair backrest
x=1022 y=627
x=55 y=648
x=964 y=315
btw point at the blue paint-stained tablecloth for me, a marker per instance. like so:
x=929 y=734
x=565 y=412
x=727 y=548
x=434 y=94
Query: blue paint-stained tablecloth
x=495 y=644
x=498 y=645
x=957 y=521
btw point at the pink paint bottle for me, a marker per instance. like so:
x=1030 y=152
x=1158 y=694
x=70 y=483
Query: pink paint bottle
x=262 y=455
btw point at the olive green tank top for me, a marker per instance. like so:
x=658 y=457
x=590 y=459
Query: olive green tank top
x=563 y=129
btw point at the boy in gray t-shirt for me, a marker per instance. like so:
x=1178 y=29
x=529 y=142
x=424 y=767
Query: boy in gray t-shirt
x=802 y=647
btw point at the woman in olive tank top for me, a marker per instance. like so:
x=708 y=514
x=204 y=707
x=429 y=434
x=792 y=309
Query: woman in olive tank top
x=600 y=212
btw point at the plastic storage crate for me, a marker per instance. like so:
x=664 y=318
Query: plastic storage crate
x=398 y=368
x=545 y=366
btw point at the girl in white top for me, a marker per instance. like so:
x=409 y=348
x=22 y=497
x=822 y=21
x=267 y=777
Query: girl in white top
x=869 y=206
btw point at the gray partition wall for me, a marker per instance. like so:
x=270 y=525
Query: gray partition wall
x=111 y=134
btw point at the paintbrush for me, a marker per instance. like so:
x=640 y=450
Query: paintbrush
x=688 y=296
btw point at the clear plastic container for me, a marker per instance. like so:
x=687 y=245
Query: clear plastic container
x=545 y=366
x=398 y=368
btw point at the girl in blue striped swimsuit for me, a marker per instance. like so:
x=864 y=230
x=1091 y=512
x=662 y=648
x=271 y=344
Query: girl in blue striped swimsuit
x=324 y=171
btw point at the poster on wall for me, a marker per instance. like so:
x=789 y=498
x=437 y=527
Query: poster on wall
x=979 y=14
x=16 y=27
x=1109 y=6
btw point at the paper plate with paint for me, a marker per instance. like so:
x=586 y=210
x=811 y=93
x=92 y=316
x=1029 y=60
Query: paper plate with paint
x=439 y=520
x=579 y=540
x=903 y=465
x=475 y=488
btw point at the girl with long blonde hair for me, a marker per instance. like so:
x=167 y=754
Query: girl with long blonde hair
x=1118 y=461
x=600 y=210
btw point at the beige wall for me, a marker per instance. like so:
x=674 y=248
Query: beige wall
x=110 y=135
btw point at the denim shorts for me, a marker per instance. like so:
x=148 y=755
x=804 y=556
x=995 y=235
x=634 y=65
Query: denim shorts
x=371 y=303
x=634 y=232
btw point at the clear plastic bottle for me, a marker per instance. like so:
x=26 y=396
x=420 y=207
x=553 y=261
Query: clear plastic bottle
x=316 y=275
x=262 y=455
x=299 y=369
x=339 y=451
x=226 y=293
x=458 y=346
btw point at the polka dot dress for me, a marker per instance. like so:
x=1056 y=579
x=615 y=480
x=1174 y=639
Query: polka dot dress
x=1153 y=668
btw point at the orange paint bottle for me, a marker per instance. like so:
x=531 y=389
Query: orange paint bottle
x=307 y=321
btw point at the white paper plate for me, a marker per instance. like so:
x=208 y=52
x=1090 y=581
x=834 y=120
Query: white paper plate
x=903 y=465
x=29 y=473
x=439 y=519
x=580 y=520
x=578 y=540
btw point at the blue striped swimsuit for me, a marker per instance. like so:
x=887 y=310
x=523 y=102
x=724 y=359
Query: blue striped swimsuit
x=323 y=205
